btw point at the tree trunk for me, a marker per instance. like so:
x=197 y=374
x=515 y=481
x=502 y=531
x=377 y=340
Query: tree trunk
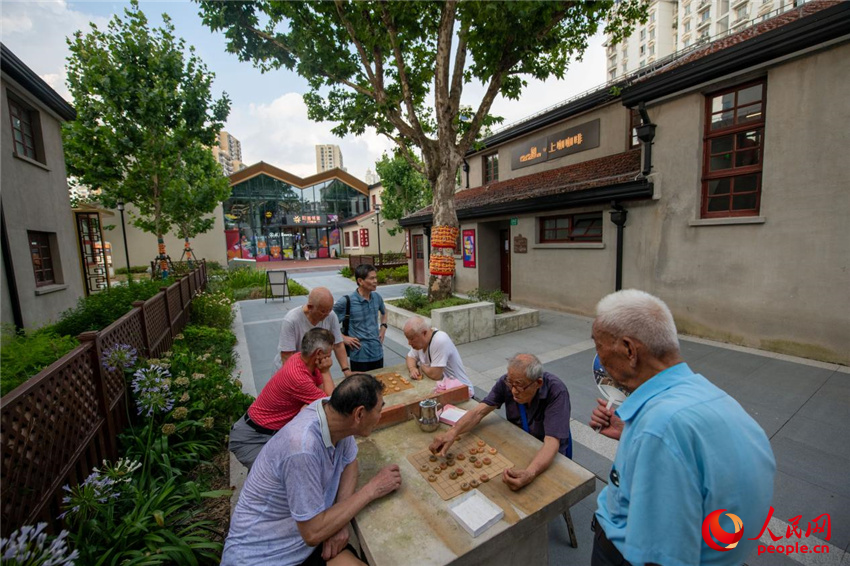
x=440 y=286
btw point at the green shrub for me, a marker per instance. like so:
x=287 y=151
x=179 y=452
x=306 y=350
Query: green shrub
x=382 y=276
x=400 y=273
x=425 y=309
x=496 y=297
x=296 y=288
x=393 y=257
x=218 y=342
x=214 y=266
x=346 y=272
x=212 y=309
x=98 y=311
x=24 y=355
x=133 y=269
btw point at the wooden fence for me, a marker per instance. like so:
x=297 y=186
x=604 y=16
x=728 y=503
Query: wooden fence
x=381 y=262
x=65 y=421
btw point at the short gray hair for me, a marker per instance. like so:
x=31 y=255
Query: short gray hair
x=416 y=324
x=641 y=316
x=528 y=364
x=316 y=339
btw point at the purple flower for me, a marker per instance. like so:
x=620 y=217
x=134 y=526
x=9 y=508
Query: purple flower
x=153 y=390
x=28 y=546
x=119 y=357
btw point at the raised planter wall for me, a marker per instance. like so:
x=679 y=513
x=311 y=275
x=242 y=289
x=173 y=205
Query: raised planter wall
x=518 y=319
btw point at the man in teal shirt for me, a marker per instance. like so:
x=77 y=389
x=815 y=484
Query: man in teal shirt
x=358 y=314
x=687 y=448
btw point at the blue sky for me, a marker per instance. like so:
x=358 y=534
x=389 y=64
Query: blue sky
x=267 y=113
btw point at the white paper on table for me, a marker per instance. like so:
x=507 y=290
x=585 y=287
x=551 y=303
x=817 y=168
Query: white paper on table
x=475 y=512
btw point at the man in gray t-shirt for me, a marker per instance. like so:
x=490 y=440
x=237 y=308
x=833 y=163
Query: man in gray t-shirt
x=300 y=496
x=317 y=313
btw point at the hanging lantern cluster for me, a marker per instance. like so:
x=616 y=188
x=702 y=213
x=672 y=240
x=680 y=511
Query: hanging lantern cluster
x=444 y=236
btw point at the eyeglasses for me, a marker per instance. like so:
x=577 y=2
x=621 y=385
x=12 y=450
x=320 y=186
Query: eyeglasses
x=519 y=388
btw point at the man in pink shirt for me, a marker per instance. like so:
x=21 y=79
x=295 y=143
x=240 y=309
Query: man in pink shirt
x=302 y=379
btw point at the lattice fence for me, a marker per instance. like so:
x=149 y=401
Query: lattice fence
x=64 y=421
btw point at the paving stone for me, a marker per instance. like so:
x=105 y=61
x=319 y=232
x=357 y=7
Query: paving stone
x=831 y=401
x=813 y=433
x=804 y=461
x=793 y=496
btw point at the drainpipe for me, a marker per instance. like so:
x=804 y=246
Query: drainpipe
x=646 y=133
x=618 y=217
x=17 y=314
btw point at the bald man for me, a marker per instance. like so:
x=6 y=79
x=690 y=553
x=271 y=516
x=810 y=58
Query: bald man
x=317 y=313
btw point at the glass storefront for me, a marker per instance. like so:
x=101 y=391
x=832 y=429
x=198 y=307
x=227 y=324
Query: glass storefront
x=270 y=220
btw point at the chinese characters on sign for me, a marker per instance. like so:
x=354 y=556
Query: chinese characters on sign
x=469 y=248
x=364 y=237
x=572 y=140
x=305 y=219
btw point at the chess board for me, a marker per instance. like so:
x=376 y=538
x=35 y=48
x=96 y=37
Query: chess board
x=393 y=382
x=448 y=487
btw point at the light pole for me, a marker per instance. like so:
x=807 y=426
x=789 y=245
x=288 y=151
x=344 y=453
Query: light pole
x=124 y=232
x=378 y=223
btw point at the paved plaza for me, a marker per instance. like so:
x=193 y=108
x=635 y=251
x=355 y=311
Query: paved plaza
x=801 y=404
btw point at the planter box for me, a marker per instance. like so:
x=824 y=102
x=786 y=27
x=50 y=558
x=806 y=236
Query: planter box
x=469 y=323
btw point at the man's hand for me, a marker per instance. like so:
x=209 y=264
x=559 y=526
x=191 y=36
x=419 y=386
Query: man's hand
x=385 y=482
x=414 y=372
x=325 y=364
x=605 y=421
x=442 y=443
x=516 y=478
x=382 y=333
x=335 y=544
x=351 y=342
x=347 y=373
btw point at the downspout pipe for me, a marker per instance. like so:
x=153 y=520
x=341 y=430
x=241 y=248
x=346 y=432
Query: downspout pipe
x=646 y=133
x=11 y=281
x=618 y=217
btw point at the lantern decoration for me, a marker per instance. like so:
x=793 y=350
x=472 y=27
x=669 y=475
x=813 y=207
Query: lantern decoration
x=442 y=265
x=444 y=236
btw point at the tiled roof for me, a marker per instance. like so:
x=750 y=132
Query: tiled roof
x=744 y=35
x=601 y=172
x=355 y=219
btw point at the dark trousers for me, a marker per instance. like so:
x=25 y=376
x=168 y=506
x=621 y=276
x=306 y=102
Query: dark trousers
x=604 y=551
x=315 y=559
x=366 y=366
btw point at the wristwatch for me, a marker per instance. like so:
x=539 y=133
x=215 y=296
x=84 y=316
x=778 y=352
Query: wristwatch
x=383 y=325
x=346 y=369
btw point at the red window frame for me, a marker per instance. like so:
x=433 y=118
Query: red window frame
x=733 y=153
x=571 y=228
x=355 y=235
x=42 y=258
x=23 y=127
x=490 y=167
x=347 y=240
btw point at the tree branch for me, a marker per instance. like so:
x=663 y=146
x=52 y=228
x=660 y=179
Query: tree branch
x=360 y=49
x=460 y=64
x=405 y=152
x=402 y=71
x=445 y=127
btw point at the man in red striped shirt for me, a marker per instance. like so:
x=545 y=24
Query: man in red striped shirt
x=302 y=379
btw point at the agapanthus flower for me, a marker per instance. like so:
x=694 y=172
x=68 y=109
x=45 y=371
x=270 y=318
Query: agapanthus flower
x=84 y=499
x=119 y=357
x=121 y=470
x=181 y=381
x=197 y=376
x=184 y=398
x=152 y=388
x=209 y=422
x=168 y=429
x=29 y=546
x=180 y=413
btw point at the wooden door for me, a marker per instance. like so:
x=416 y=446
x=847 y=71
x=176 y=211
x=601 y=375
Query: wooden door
x=505 y=260
x=419 y=259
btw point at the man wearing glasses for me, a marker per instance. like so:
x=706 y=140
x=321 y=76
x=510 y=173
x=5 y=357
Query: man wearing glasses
x=535 y=400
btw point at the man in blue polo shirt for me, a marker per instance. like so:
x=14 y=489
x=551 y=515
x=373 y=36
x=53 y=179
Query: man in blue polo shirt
x=535 y=400
x=687 y=448
x=358 y=313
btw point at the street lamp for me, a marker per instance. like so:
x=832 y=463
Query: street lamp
x=378 y=222
x=124 y=232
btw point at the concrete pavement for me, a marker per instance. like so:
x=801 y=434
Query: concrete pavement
x=803 y=406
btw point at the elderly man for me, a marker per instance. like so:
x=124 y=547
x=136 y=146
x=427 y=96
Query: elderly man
x=359 y=312
x=433 y=355
x=300 y=496
x=535 y=400
x=687 y=448
x=302 y=379
x=317 y=313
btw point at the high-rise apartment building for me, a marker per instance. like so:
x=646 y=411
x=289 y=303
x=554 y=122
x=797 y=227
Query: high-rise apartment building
x=674 y=25
x=327 y=157
x=372 y=178
x=228 y=153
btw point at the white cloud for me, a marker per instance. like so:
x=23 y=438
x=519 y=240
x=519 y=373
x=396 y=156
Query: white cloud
x=36 y=32
x=280 y=134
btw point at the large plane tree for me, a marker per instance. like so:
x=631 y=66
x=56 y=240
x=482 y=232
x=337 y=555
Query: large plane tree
x=401 y=68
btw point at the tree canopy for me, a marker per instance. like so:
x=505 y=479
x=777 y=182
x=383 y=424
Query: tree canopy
x=145 y=121
x=406 y=190
x=401 y=67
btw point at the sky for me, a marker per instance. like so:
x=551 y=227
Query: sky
x=267 y=113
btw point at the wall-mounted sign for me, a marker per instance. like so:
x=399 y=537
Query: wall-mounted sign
x=520 y=244
x=364 y=237
x=469 y=248
x=514 y=221
x=569 y=141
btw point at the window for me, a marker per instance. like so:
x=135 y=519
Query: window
x=347 y=240
x=571 y=228
x=651 y=17
x=733 y=150
x=356 y=238
x=652 y=34
x=642 y=34
x=652 y=50
x=642 y=50
x=24 y=125
x=374 y=202
x=634 y=122
x=687 y=42
x=42 y=258
x=491 y=168
x=687 y=27
x=687 y=9
x=705 y=16
x=612 y=74
x=742 y=13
